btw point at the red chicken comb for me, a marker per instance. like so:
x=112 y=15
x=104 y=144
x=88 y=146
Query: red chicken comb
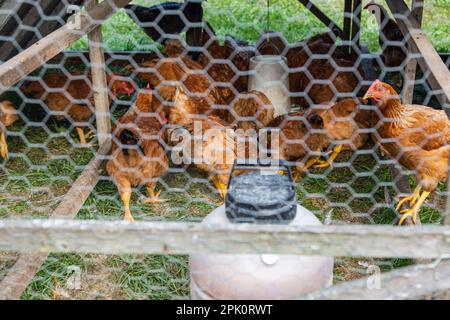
x=126 y=87
x=375 y=85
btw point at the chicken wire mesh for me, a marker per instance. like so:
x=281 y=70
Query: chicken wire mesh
x=175 y=65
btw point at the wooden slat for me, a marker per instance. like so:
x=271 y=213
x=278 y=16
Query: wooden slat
x=430 y=62
x=32 y=58
x=322 y=17
x=411 y=67
x=99 y=82
x=27 y=265
x=106 y=237
x=406 y=283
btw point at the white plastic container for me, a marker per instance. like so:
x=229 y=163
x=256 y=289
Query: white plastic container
x=259 y=276
x=269 y=75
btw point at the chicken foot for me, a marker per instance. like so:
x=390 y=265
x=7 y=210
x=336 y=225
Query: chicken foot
x=84 y=137
x=152 y=197
x=299 y=169
x=3 y=145
x=410 y=199
x=221 y=187
x=332 y=156
x=414 y=211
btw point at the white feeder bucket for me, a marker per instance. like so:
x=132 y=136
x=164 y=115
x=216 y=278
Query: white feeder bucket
x=261 y=197
x=258 y=276
x=269 y=75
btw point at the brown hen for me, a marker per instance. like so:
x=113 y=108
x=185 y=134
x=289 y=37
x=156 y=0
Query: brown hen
x=137 y=155
x=417 y=136
x=165 y=75
x=251 y=110
x=209 y=141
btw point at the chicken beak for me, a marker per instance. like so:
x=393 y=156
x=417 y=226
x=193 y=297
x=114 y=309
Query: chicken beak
x=367 y=96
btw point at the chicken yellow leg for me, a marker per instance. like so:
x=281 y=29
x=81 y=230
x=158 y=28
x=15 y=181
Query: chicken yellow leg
x=329 y=162
x=3 y=145
x=414 y=211
x=126 y=197
x=81 y=135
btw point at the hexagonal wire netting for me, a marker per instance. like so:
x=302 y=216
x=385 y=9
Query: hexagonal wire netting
x=224 y=65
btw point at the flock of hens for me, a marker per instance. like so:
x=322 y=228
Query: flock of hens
x=180 y=91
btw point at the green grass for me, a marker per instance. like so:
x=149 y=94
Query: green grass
x=247 y=19
x=110 y=277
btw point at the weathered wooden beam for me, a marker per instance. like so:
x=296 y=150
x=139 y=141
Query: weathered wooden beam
x=406 y=283
x=106 y=237
x=432 y=65
x=36 y=55
x=27 y=265
x=323 y=17
x=411 y=66
x=99 y=82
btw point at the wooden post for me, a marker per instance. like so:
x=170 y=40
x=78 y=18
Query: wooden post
x=411 y=67
x=99 y=82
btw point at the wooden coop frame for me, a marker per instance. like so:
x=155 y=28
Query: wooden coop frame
x=36 y=238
